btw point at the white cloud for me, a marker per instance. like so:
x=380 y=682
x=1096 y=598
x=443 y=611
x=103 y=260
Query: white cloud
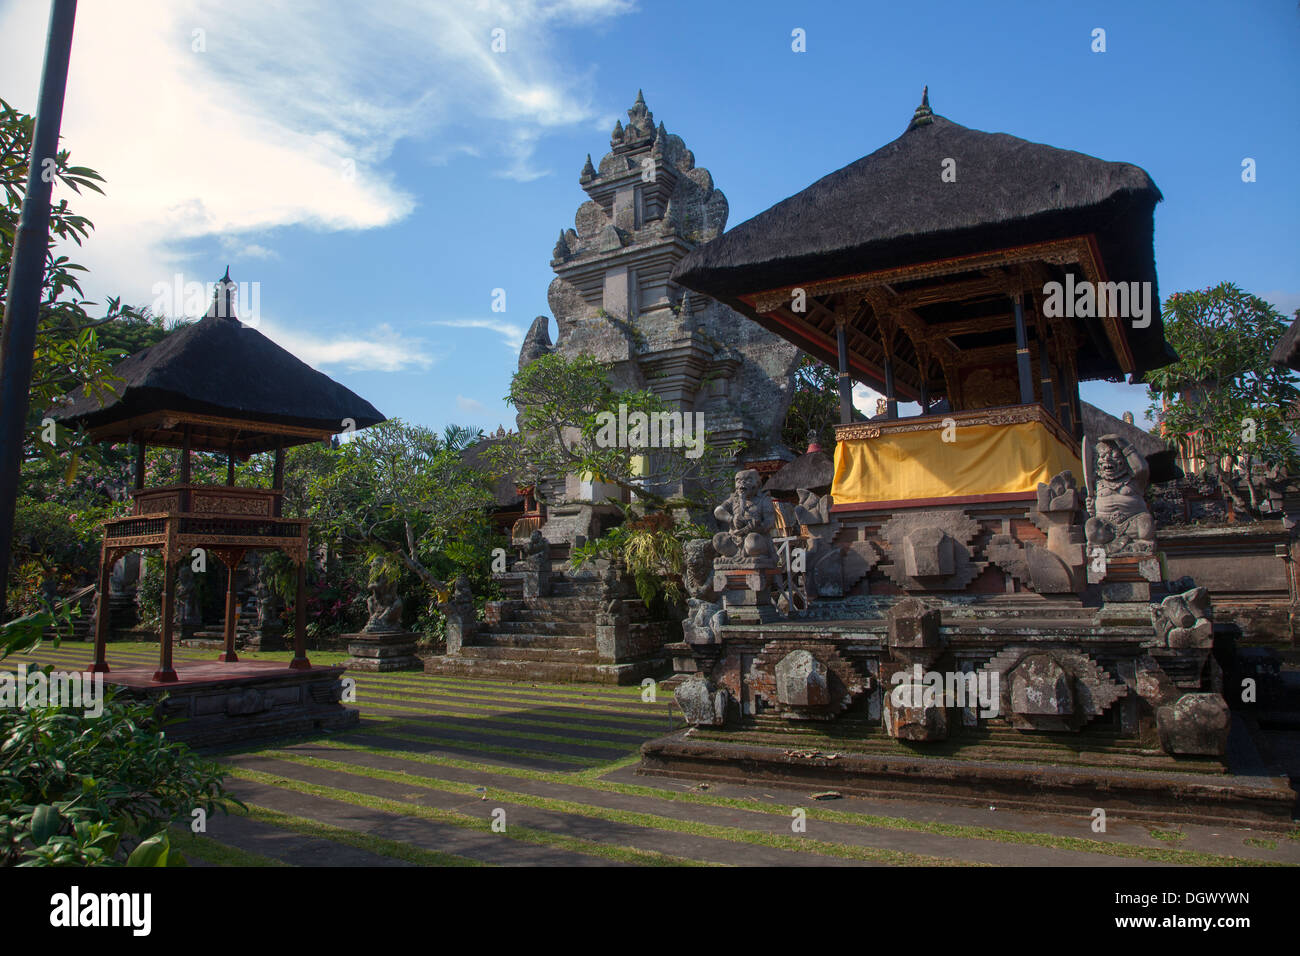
x=288 y=115
x=512 y=335
x=384 y=350
x=470 y=406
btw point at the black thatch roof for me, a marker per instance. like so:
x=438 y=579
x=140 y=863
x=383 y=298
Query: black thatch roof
x=218 y=366
x=1161 y=458
x=890 y=209
x=504 y=488
x=1287 y=350
x=814 y=471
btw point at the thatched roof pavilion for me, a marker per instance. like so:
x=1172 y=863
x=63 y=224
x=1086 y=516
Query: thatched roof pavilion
x=235 y=388
x=216 y=385
x=1287 y=350
x=992 y=272
x=863 y=226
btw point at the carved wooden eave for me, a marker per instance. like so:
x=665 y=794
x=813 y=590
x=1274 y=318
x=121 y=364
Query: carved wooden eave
x=165 y=428
x=1006 y=272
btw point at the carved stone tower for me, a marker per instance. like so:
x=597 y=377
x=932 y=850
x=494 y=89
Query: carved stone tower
x=649 y=206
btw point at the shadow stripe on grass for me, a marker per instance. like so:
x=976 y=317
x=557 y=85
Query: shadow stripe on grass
x=463 y=820
x=215 y=852
x=791 y=843
x=590 y=779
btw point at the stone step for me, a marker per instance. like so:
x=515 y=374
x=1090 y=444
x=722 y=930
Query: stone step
x=559 y=628
x=630 y=672
x=494 y=638
x=556 y=613
x=562 y=654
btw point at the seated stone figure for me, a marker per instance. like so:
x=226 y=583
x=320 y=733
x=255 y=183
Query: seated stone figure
x=384 y=604
x=748 y=517
x=1121 y=522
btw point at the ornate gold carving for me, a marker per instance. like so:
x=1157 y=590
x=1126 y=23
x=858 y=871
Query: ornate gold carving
x=219 y=504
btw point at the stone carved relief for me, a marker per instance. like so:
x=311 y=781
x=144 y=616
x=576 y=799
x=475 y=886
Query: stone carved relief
x=1185 y=620
x=805 y=680
x=1052 y=689
x=1058 y=567
x=930 y=550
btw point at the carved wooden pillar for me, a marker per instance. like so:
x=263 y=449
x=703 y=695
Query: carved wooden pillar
x=166 y=673
x=300 y=661
x=139 y=462
x=277 y=478
x=846 y=383
x=231 y=560
x=1023 y=368
x=887 y=342
x=106 y=562
x=185 y=471
x=923 y=366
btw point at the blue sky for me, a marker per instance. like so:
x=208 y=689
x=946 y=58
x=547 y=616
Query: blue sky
x=379 y=170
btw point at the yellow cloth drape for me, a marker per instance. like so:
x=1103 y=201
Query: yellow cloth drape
x=982 y=460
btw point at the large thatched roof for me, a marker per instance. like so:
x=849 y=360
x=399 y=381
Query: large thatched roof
x=891 y=209
x=1161 y=458
x=1287 y=350
x=220 y=367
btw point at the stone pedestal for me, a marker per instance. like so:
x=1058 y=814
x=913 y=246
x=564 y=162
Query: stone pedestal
x=382 y=651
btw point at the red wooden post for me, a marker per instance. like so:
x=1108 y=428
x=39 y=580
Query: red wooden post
x=166 y=673
x=300 y=661
x=102 y=613
x=232 y=607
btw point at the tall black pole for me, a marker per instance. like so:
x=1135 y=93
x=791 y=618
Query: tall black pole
x=846 y=381
x=27 y=273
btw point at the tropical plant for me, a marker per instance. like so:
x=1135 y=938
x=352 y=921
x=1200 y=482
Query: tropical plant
x=76 y=790
x=1224 y=391
x=649 y=546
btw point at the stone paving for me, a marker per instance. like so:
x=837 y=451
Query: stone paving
x=455 y=771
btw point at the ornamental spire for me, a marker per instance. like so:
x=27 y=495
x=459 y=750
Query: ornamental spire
x=923 y=115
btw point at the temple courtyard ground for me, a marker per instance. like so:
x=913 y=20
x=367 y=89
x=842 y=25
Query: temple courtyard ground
x=458 y=772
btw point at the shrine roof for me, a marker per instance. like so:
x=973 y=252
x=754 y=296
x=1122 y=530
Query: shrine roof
x=1287 y=350
x=891 y=209
x=227 y=371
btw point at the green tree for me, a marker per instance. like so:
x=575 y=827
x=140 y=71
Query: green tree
x=564 y=406
x=68 y=351
x=403 y=492
x=814 y=406
x=1224 y=389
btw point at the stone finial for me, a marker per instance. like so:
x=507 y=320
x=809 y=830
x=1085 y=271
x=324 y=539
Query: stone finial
x=616 y=137
x=561 y=249
x=588 y=171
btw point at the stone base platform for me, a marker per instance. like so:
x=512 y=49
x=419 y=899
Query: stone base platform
x=554 y=671
x=218 y=704
x=1192 y=790
x=382 y=651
